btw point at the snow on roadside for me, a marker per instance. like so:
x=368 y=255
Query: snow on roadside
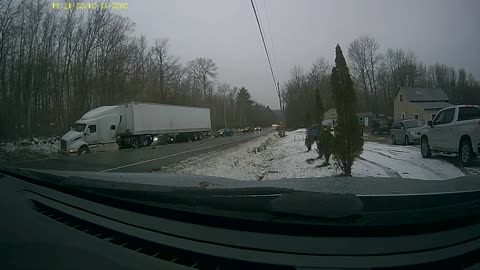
x=35 y=145
x=272 y=157
x=243 y=162
x=290 y=160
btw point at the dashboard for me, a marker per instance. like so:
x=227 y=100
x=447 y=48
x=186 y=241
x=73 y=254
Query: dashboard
x=46 y=226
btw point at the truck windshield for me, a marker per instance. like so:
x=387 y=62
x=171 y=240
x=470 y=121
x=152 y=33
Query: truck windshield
x=79 y=127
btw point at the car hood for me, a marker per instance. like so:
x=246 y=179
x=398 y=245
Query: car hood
x=72 y=135
x=343 y=185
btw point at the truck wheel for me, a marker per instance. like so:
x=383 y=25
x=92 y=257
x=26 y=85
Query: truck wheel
x=406 y=142
x=135 y=142
x=466 y=153
x=83 y=150
x=146 y=141
x=425 y=148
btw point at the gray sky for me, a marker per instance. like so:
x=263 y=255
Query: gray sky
x=443 y=31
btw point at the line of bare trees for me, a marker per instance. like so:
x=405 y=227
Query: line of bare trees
x=307 y=94
x=55 y=65
x=377 y=76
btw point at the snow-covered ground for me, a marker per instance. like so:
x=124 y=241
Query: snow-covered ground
x=271 y=157
x=29 y=148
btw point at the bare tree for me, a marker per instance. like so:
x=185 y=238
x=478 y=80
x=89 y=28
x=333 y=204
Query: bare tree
x=204 y=72
x=365 y=57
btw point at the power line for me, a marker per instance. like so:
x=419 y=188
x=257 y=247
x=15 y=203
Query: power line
x=264 y=45
x=275 y=83
x=275 y=62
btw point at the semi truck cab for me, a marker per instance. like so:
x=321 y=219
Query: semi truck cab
x=96 y=128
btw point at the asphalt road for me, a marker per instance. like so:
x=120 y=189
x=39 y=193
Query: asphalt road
x=137 y=160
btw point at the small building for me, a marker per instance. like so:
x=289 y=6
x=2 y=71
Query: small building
x=419 y=103
x=365 y=118
x=330 y=118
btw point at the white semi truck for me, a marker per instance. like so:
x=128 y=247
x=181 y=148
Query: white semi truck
x=135 y=125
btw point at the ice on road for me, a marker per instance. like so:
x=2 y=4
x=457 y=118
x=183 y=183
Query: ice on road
x=272 y=157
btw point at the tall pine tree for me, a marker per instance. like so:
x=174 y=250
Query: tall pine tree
x=318 y=107
x=348 y=142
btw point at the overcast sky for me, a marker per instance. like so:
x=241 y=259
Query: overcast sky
x=443 y=31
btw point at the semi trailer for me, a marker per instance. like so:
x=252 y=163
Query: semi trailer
x=135 y=125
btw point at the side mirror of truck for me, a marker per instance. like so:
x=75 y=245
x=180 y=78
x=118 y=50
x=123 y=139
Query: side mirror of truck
x=430 y=124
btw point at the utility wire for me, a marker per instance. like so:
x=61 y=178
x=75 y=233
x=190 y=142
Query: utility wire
x=275 y=83
x=264 y=46
x=275 y=62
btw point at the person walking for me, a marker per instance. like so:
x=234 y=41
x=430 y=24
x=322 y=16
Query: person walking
x=325 y=145
x=308 y=140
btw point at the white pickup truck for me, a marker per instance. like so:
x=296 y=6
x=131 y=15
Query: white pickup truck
x=455 y=130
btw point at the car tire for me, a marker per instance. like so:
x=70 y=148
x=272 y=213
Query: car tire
x=393 y=140
x=83 y=150
x=405 y=141
x=425 y=148
x=465 y=153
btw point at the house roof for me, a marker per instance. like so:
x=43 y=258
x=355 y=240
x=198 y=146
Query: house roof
x=425 y=94
x=433 y=105
x=330 y=114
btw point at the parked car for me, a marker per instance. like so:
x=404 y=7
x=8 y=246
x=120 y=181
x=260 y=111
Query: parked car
x=455 y=130
x=405 y=132
x=258 y=129
x=381 y=125
x=224 y=132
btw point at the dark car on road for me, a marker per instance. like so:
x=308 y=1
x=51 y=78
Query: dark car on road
x=224 y=132
x=248 y=130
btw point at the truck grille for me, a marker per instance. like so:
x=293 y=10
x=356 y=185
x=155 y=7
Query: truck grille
x=63 y=145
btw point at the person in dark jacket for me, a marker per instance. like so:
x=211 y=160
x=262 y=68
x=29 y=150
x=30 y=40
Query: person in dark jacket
x=325 y=144
x=312 y=136
x=308 y=140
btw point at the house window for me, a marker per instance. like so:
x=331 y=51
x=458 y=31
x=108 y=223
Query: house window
x=401 y=98
x=416 y=116
x=403 y=116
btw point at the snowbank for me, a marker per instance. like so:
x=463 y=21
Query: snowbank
x=36 y=145
x=271 y=157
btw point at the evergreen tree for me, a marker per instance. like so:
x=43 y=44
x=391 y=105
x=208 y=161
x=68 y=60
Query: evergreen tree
x=318 y=118
x=244 y=103
x=348 y=140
